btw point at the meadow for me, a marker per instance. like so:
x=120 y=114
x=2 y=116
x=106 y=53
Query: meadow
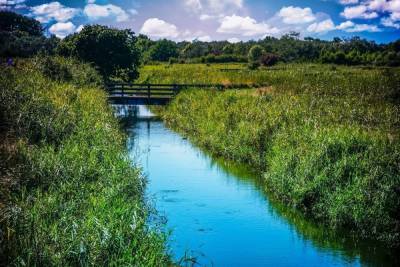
x=69 y=194
x=325 y=138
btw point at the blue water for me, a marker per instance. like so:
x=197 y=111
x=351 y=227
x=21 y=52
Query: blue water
x=219 y=213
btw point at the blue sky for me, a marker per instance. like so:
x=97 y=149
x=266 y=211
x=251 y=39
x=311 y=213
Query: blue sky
x=231 y=20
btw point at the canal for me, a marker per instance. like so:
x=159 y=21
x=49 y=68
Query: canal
x=219 y=212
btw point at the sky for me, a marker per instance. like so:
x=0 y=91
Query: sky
x=232 y=20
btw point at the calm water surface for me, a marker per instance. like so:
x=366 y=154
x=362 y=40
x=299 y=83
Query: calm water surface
x=218 y=212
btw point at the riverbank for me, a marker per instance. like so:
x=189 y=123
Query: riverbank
x=326 y=141
x=69 y=193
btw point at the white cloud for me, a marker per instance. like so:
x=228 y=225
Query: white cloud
x=12 y=4
x=214 y=7
x=94 y=12
x=233 y=40
x=322 y=27
x=370 y=9
x=53 y=11
x=360 y=11
x=245 y=26
x=349 y=26
x=62 y=29
x=206 y=17
x=158 y=28
x=205 y=38
x=348 y=2
x=388 y=22
x=194 y=5
x=363 y=28
x=345 y=25
x=296 y=15
x=79 y=28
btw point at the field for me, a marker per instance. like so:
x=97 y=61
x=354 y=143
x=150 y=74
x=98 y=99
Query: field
x=325 y=138
x=69 y=194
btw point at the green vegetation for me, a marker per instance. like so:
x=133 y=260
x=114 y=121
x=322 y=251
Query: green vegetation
x=21 y=36
x=326 y=138
x=69 y=195
x=112 y=51
x=287 y=49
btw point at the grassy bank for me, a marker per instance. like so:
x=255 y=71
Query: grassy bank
x=326 y=139
x=69 y=194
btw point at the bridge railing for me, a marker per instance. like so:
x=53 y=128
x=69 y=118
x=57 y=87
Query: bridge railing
x=143 y=90
x=165 y=90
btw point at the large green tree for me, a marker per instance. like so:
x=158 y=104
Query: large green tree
x=21 y=36
x=112 y=51
x=163 y=50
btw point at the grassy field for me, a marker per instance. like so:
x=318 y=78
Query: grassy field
x=326 y=138
x=69 y=194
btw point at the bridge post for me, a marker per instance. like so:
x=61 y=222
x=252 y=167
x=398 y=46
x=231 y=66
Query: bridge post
x=148 y=92
x=122 y=90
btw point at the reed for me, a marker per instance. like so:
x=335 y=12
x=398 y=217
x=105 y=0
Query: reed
x=325 y=138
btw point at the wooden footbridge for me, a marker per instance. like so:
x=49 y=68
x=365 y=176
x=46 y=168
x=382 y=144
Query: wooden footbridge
x=155 y=94
x=141 y=94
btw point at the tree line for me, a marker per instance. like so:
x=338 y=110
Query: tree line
x=117 y=54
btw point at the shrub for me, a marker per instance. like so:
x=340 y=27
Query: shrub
x=68 y=70
x=269 y=59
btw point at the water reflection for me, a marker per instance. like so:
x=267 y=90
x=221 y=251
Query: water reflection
x=220 y=213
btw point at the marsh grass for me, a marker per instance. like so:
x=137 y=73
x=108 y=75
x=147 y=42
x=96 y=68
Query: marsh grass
x=71 y=197
x=326 y=138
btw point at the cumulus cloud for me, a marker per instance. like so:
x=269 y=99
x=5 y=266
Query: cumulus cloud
x=370 y=9
x=360 y=11
x=62 y=29
x=345 y=25
x=245 y=26
x=296 y=15
x=388 y=22
x=157 y=28
x=322 y=27
x=53 y=11
x=95 y=11
x=349 y=26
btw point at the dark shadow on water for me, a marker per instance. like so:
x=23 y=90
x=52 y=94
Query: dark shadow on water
x=340 y=243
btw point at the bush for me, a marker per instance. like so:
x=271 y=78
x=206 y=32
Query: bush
x=269 y=59
x=255 y=53
x=68 y=70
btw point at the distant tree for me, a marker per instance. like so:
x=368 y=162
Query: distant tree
x=194 y=50
x=144 y=45
x=13 y=22
x=112 y=51
x=255 y=54
x=21 y=36
x=163 y=50
x=228 y=49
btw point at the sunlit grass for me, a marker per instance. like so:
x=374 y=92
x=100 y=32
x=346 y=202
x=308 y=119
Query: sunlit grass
x=73 y=196
x=326 y=138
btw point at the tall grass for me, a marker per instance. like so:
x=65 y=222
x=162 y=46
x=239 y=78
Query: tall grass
x=70 y=196
x=326 y=140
